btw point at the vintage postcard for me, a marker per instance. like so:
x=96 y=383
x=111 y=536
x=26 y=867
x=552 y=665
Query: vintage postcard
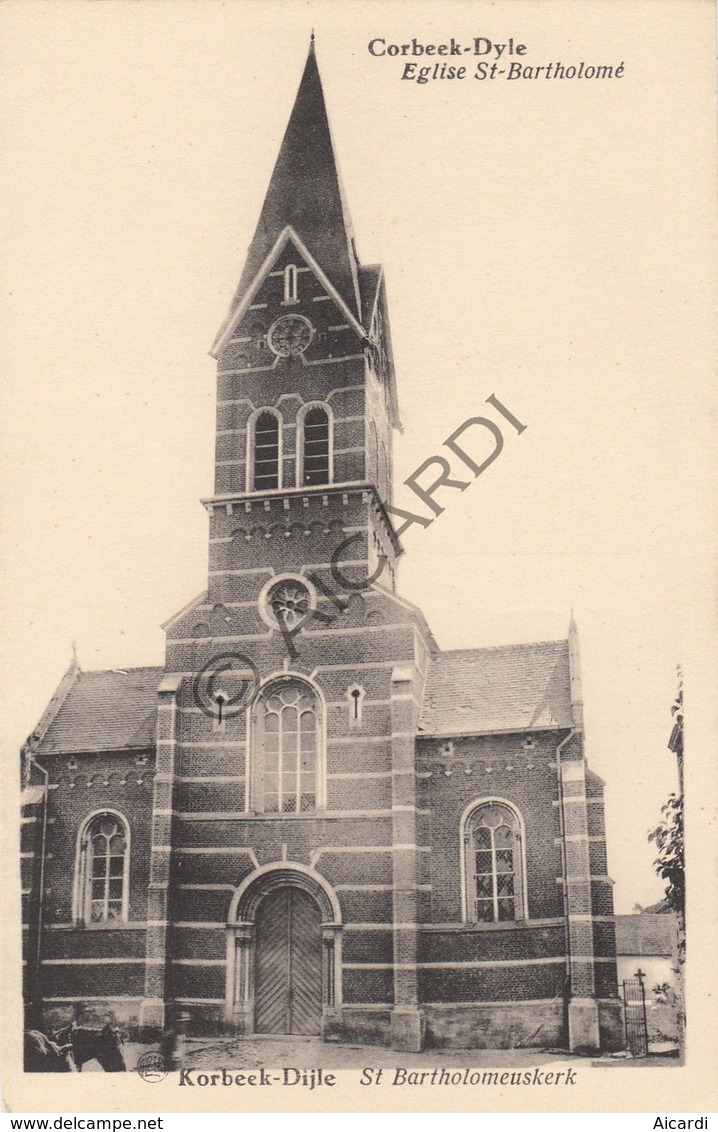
x=359 y=510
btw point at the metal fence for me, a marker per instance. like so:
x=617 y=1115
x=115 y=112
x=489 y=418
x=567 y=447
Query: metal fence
x=636 y=1021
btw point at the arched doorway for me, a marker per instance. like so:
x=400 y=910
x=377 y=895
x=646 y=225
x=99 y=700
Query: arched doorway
x=284 y=952
x=288 y=963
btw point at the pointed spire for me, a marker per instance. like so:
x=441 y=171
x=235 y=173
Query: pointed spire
x=305 y=193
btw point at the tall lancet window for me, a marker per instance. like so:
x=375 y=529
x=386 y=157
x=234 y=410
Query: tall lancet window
x=265 y=456
x=494 y=863
x=286 y=763
x=316 y=453
x=102 y=869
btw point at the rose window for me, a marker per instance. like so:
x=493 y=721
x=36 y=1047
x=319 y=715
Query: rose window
x=289 y=602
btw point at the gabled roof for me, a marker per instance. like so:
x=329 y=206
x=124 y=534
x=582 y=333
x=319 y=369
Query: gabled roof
x=305 y=193
x=645 y=934
x=511 y=688
x=106 y=711
x=235 y=316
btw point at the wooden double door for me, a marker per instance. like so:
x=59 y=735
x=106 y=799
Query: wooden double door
x=288 y=963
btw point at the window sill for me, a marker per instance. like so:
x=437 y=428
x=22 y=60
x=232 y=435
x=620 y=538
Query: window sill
x=260 y=815
x=125 y=926
x=502 y=926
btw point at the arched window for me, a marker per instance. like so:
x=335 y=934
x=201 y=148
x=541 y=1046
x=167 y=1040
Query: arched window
x=103 y=869
x=265 y=460
x=291 y=292
x=494 y=863
x=315 y=447
x=287 y=777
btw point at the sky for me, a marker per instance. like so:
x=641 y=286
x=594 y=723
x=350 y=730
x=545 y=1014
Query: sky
x=544 y=242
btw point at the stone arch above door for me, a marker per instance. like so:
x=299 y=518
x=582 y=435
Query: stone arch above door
x=242 y=941
x=244 y=903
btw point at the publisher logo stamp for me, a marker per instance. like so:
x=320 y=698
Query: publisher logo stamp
x=151 y=1067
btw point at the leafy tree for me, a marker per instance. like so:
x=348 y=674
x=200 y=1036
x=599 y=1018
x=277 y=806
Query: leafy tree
x=670 y=843
x=668 y=837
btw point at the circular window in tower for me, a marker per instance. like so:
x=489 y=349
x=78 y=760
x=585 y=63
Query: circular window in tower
x=285 y=602
x=290 y=335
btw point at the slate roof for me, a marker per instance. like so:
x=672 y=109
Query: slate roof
x=469 y=691
x=645 y=934
x=106 y=711
x=511 y=688
x=305 y=192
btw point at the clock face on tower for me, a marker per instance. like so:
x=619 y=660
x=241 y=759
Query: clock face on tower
x=290 y=335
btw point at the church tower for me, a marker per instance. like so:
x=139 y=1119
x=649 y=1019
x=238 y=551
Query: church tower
x=306 y=398
x=300 y=609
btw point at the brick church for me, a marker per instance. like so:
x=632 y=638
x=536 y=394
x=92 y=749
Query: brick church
x=310 y=819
